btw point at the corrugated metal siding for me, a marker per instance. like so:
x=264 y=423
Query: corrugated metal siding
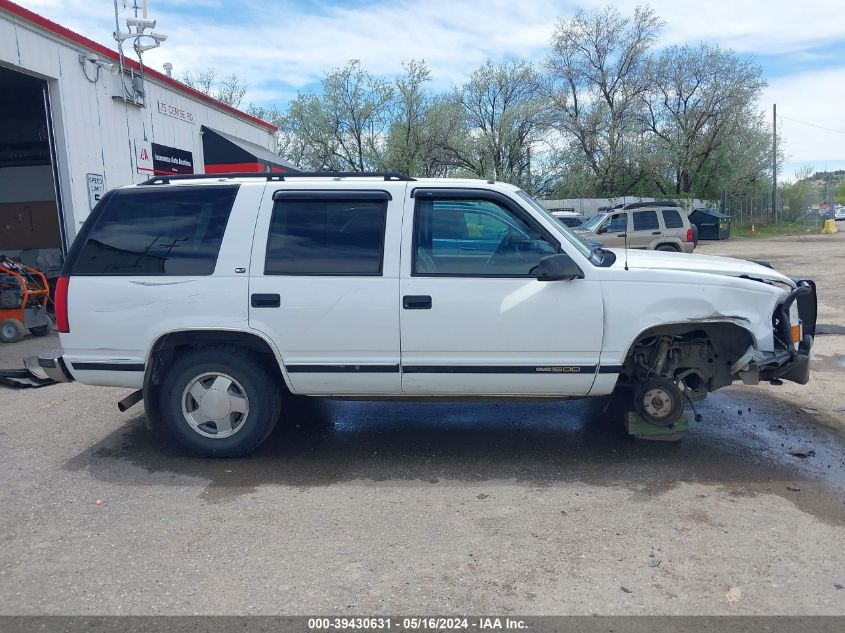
x=8 y=42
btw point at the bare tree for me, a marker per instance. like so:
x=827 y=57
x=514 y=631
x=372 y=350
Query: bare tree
x=343 y=128
x=229 y=90
x=598 y=72
x=701 y=110
x=502 y=115
x=409 y=136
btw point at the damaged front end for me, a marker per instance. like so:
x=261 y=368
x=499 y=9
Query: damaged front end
x=794 y=326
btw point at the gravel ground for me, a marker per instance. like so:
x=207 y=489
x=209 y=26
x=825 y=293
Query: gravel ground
x=372 y=508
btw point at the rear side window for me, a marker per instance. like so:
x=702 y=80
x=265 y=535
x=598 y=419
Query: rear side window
x=326 y=237
x=645 y=221
x=672 y=219
x=158 y=231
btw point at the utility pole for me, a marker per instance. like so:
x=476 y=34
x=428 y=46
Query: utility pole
x=774 y=161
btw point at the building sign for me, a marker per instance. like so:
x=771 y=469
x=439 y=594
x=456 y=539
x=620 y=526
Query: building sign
x=96 y=188
x=155 y=159
x=169 y=160
x=144 y=157
x=175 y=112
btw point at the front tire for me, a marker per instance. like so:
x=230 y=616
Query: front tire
x=219 y=401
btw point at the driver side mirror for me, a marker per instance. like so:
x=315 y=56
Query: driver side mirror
x=559 y=267
x=601 y=229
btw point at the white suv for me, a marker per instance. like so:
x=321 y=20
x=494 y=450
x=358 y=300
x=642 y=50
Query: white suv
x=216 y=295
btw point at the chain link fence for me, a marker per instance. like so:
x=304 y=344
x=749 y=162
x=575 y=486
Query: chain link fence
x=804 y=211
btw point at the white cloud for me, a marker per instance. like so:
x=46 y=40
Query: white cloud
x=296 y=44
x=279 y=48
x=746 y=26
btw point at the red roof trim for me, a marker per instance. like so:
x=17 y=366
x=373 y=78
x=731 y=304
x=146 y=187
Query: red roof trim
x=76 y=38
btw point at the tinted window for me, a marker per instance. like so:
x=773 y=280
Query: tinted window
x=569 y=220
x=326 y=237
x=645 y=221
x=476 y=238
x=158 y=231
x=594 y=221
x=672 y=219
x=617 y=224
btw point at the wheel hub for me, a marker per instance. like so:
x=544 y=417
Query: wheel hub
x=215 y=405
x=657 y=403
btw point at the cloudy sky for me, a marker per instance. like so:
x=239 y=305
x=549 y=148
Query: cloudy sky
x=283 y=46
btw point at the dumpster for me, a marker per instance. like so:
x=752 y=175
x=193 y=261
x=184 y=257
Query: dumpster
x=712 y=224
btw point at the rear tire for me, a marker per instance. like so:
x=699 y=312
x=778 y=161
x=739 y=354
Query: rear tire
x=11 y=331
x=666 y=247
x=219 y=401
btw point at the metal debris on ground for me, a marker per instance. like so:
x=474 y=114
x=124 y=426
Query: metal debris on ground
x=30 y=376
x=803 y=452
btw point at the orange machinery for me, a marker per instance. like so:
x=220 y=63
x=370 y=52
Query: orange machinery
x=24 y=295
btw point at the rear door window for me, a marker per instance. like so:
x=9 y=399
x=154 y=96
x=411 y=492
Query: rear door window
x=157 y=231
x=324 y=236
x=672 y=219
x=646 y=221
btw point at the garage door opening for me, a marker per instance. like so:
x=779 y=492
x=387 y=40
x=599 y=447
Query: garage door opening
x=31 y=225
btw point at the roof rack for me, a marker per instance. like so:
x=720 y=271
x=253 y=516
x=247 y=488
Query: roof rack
x=281 y=175
x=653 y=203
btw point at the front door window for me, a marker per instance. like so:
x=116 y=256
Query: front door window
x=618 y=223
x=475 y=238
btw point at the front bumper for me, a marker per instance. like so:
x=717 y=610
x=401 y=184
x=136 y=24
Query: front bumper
x=791 y=365
x=789 y=361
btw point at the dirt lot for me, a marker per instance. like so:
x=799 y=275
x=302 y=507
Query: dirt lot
x=361 y=508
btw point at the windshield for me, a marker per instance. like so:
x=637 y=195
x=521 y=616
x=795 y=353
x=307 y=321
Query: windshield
x=573 y=239
x=594 y=221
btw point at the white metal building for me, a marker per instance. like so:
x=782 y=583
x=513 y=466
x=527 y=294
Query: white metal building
x=70 y=129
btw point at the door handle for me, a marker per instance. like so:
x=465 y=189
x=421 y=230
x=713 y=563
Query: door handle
x=416 y=302
x=655 y=233
x=265 y=301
